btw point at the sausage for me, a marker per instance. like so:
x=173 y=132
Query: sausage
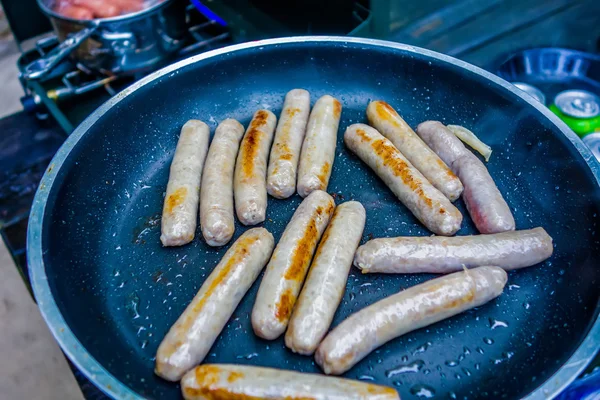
x=195 y=331
x=127 y=6
x=100 y=8
x=287 y=269
x=318 y=149
x=285 y=153
x=180 y=210
x=70 y=11
x=485 y=203
x=241 y=382
x=216 y=193
x=440 y=255
x=324 y=287
x=406 y=311
x=387 y=121
x=427 y=203
x=249 y=182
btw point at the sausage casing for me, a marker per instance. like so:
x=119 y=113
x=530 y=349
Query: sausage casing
x=100 y=8
x=318 y=149
x=192 y=336
x=216 y=193
x=71 y=11
x=436 y=254
x=326 y=281
x=406 y=311
x=485 y=203
x=241 y=382
x=287 y=269
x=249 y=182
x=180 y=209
x=285 y=153
x=427 y=203
x=387 y=121
x=128 y=6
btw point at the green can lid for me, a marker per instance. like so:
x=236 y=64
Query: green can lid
x=580 y=126
x=578 y=103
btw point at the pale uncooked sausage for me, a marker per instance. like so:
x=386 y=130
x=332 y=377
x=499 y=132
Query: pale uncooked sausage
x=285 y=153
x=406 y=311
x=485 y=203
x=180 y=209
x=318 y=149
x=216 y=194
x=440 y=255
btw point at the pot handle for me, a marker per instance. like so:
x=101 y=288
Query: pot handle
x=43 y=65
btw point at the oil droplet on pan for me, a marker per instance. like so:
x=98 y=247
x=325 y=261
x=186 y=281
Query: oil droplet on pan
x=422 y=391
x=494 y=323
x=403 y=369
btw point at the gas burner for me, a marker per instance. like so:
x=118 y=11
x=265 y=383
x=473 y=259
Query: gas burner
x=80 y=81
x=70 y=92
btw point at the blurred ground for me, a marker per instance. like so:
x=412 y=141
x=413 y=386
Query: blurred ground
x=11 y=89
x=36 y=367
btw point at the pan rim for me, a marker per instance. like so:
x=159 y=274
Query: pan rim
x=112 y=386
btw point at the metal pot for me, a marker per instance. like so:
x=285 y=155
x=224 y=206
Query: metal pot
x=124 y=44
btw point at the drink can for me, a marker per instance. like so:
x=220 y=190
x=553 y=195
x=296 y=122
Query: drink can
x=579 y=109
x=593 y=142
x=532 y=91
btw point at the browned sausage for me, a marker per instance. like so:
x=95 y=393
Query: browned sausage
x=243 y=382
x=427 y=203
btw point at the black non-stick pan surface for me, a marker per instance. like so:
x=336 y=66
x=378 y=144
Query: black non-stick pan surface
x=110 y=292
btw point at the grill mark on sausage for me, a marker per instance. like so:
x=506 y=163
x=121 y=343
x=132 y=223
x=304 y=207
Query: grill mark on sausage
x=251 y=142
x=389 y=155
x=242 y=248
x=176 y=199
x=324 y=174
x=387 y=113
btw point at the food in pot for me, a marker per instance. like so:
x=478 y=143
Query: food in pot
x=406 y=311
x=69 y=10
x=318 y=149
x=91 y=9
x=192 y=336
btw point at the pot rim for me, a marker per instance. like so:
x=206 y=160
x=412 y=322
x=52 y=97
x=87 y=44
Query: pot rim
x=108 y=383
x=97 y=21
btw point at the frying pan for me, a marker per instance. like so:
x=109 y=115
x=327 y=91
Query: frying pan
x=109 y=292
